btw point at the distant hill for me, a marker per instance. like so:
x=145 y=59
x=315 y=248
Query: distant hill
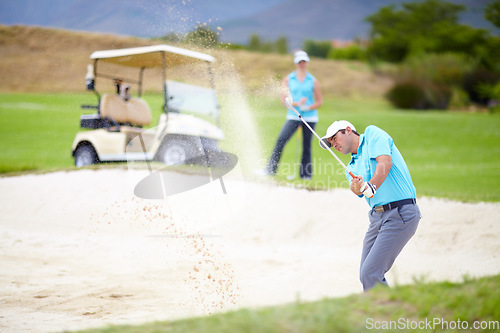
x=54 y=60
x=270 y=19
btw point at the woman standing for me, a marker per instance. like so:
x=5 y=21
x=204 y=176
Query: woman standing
x=306 y=94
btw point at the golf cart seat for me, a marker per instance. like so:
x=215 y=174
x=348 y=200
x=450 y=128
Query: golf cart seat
x=135 y=112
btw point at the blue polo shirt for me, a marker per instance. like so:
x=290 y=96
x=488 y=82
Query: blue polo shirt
x=398 y=185
x=298 y=90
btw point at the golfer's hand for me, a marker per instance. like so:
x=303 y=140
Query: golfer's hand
x=368 y=189
x=300 y=103
x=356 y=184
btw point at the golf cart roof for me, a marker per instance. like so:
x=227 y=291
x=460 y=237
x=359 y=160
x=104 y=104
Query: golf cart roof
x=151 y=56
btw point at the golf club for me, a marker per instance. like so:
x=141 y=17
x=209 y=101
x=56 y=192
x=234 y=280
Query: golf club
x=289 y=105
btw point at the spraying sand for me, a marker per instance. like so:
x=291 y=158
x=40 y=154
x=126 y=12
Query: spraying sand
x=79 y=250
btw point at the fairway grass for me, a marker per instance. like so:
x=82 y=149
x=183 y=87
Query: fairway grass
x=421 y=307
x=36 y=130
x=452 y=155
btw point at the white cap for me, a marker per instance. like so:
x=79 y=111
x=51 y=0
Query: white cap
x=299 y=56
x=333 y=129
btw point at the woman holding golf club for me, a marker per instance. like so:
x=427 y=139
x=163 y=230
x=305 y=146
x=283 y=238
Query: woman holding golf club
x=306 y=94
x=378 y=173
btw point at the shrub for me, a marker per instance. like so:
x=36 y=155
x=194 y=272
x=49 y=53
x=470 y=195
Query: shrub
x=256 y=44
x=445 y=68
x=202 y=36
x=459 y=98
x=477 y=78
x=431 y=81
x=438 y=96
x=231 y=46
x=352 y=52
x=318 y=49
x=407 y=95
x=412 y=94
x=492 y=93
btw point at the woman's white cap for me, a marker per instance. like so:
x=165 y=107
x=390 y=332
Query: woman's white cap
x=333 y=129
x=300 y=56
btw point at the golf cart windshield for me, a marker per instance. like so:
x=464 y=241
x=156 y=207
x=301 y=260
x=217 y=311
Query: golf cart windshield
x=181 y=99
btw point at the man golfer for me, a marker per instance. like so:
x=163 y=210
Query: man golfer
x=383 y=178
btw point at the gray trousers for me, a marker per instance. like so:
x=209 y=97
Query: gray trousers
x=387 y=234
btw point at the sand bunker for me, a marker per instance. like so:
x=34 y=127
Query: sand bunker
x=79 y=250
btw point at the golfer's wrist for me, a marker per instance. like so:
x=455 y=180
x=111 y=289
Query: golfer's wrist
x=369 y=189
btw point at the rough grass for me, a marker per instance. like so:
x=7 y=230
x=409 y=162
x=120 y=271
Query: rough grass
x=401 y=308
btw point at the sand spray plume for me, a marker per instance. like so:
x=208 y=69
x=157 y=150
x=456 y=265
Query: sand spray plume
x=176 y=17
x=209 y=282
x=272 y=87
x=238 y=118
x=187 y=222
x=175 y=21
x=187 y=226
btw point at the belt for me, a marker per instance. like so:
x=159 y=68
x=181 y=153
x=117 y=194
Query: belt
x=395 y=204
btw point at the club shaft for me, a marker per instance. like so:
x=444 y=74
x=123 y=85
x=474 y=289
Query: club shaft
x=322 y=143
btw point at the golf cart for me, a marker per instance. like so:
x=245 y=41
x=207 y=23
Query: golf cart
x=187 y=129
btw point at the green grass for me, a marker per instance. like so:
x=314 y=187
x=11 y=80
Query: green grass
x=36 y=130
x=470 y=301
x=450 y=154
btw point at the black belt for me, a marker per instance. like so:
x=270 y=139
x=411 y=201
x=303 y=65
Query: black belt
x=395 y=204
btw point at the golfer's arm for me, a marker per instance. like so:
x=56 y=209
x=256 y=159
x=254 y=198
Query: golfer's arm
x=384 y=165
x=318 y=96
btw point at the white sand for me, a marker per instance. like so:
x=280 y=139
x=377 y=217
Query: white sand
x=78 y=250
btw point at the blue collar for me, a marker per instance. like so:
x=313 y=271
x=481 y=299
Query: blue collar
x=361 y=141
x=294 y=75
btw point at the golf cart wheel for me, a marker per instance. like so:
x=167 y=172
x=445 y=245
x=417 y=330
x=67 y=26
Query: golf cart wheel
x=175 y=152
x=85 y=155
